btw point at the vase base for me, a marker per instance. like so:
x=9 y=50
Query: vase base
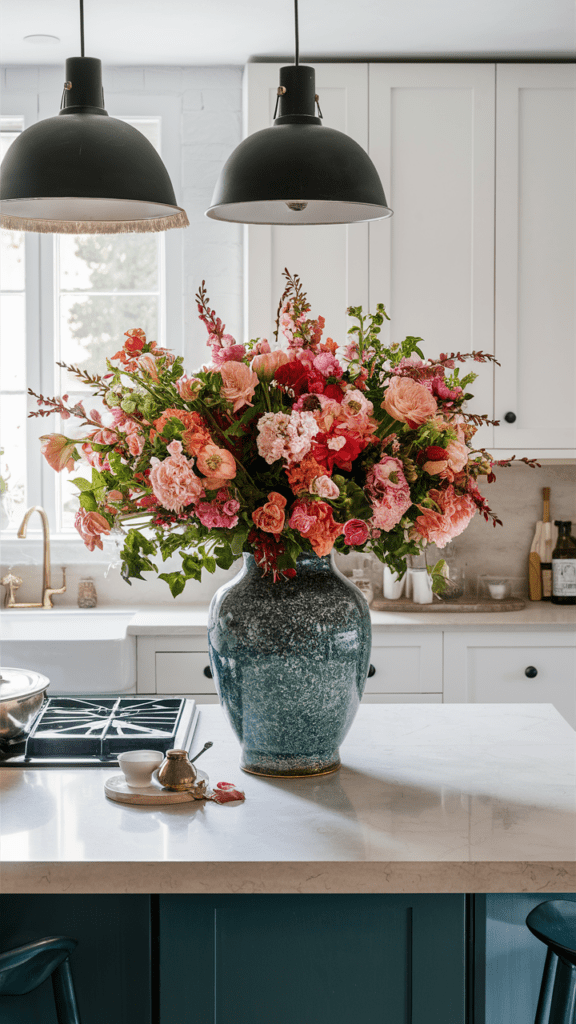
x=288 y=766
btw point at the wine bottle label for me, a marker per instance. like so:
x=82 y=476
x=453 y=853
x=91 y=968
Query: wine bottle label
x=546 y=579
x=564 y=577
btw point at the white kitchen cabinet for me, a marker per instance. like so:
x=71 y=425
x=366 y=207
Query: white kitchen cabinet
x=511 y=668
x=535 y=314
x=432 y=264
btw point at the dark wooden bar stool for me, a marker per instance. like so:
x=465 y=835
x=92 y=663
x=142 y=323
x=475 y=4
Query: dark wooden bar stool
x=25 y=968
x=554 y=923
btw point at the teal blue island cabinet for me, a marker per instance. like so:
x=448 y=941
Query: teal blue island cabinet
x=314 y=959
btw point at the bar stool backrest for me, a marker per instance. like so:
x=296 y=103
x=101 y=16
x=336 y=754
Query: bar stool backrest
x=554 y=923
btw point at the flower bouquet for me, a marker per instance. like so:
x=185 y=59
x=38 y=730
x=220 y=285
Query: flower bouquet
x=275 y=448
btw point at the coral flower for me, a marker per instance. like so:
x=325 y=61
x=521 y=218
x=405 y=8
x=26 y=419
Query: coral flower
x=408 y=401
x=270 y=517
x=314 y=520
x=238 y=384
x=455 y=512
x=90 y=526
x=216 y=462
x=58 y=451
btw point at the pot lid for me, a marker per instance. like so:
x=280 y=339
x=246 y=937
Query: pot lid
x=21 y=682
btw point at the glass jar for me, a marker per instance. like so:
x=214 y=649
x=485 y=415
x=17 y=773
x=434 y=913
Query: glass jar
x=87 y=597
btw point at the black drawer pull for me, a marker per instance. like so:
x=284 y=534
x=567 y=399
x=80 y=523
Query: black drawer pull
x=207 y=672
x=510 y=417
x=371 y=671
x=531 y=672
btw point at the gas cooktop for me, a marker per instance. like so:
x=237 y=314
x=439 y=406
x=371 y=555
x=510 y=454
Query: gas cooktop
x=85 y=731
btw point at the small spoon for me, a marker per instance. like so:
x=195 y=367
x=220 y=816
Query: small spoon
x=205 y=747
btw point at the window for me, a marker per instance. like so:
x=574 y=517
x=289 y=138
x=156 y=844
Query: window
x=84 y=291
x=12 y=356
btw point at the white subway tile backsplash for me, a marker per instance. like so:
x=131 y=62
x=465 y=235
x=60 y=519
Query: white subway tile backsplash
x=158 y=80
x=223 y=126
x=212 y=77
x=123 y=79
x=222 y=99
x=192 y=99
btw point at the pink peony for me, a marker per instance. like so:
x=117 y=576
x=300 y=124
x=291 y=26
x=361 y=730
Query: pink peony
x=440 y=527
x=356 y=532
x=174 y=483
x=408 y=401
x=388 y=510
x=58 y=451
x=90 y=526
x=266 y=364
x=238 y=384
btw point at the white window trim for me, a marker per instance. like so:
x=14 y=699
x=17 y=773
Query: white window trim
x=67 y=547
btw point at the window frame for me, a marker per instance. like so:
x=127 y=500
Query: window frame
x=40 y=309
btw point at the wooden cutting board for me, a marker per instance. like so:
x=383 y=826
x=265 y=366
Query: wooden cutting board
x=116 y=788
x=462 y=604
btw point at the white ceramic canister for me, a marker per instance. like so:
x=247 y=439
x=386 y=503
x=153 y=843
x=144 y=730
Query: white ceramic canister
x=421 y=585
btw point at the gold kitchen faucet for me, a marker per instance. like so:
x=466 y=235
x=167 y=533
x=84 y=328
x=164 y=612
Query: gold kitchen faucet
x=13 y=582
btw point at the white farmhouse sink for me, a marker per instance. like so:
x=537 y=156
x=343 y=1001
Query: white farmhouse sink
x=80 y=650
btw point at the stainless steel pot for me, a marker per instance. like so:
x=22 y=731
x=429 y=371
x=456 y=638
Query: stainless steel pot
x=22 y=694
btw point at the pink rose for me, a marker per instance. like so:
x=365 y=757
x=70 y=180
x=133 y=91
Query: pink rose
x=266 y=364
x=58 y=451
x=238 y=384
x=325 y=487
x=174 y=483
x=188 y=387
x=356 y=532
x=90 y=526
x=408 y=401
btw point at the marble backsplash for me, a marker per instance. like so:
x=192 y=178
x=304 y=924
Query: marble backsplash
x=516 y=497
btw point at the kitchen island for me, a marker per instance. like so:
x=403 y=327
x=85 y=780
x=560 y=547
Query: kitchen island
x=430 y=798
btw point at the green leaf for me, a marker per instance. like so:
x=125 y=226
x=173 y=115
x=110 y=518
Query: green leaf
x=88 y=501
x=224 y=556
x=175 y=581
x=81 y=484
x=192 y=567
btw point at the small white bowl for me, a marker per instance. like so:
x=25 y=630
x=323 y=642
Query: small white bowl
x=138 y=766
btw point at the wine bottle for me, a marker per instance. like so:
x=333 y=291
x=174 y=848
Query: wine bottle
x=564 y=565
x=547 y=545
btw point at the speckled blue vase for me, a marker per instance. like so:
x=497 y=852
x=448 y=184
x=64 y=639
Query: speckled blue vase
x=290 y=660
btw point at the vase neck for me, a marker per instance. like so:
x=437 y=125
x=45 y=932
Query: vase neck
x=305 y=563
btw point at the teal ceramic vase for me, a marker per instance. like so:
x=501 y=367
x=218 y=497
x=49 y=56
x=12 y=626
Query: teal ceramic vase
x=290 y=661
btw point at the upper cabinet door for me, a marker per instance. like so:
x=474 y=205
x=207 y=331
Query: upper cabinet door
x=535 y=257
x=331 y=259
x=432 y=264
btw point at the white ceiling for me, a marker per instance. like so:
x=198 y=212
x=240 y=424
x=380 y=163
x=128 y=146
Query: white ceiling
x=183 y=32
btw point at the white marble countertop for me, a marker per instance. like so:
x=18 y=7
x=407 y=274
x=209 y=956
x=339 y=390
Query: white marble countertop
x=430 y=798
x=539 y=615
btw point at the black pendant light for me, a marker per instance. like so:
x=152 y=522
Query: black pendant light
x=297 y=171
x=83 y=172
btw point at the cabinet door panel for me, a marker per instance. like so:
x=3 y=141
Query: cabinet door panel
x=535 y=312
x=183 y=672
x=332 y=259
x=432 y=263
x=488 y=669
x=313 y=959
x=409 y=664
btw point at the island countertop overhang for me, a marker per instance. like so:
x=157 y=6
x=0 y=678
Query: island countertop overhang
x=430 y=798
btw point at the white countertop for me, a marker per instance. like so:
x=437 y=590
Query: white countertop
x=537 y=615
x=430 y=798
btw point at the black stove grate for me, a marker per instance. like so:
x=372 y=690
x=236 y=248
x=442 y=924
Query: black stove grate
x=103 y=727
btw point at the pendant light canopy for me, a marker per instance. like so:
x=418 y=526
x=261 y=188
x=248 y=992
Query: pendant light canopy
x=83 y=172
x=297 y=171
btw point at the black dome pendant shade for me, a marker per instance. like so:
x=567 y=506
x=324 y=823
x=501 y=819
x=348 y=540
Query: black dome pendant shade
x=297 y=171
x=83 y=172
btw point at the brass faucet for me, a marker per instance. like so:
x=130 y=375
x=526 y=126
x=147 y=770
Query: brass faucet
x=12 y=582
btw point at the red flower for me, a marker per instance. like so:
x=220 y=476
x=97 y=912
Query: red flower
x=337 y=449
x=300 y=378
x=334 y=391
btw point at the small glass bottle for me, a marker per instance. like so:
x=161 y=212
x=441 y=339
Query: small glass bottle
x=87 y=597
x=361 y=580
x=564 y=565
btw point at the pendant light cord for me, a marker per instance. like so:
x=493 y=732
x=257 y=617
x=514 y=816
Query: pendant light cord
x=82 y=28
x=297 y=41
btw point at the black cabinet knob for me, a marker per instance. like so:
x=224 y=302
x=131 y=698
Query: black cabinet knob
x=531 y=672
x=371 y=671
x=510 y=417
x=208 y=672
